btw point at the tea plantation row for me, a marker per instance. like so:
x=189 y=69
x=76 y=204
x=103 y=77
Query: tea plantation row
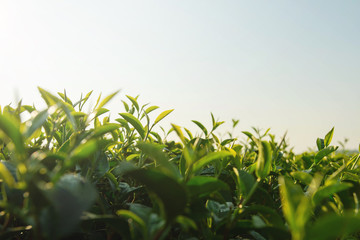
x=66 y=174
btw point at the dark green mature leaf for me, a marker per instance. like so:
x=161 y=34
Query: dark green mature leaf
x=328 y=137
x=201 y=186
x=130 y=215
x=271 y=216
x=171 y=194
x=210 y=158
x=69 y=198
x=134 y=122
x=162 y=115
x=333 y=226
x=227 y=141
x=116 y=224
x=248 y=134
x=199 y=124
x=154 y=151
x=81 y=152
x=327 y=191
x=101 y=163
x=303 y=177
x=6 y=175
x=245 y=182
x=320 y=143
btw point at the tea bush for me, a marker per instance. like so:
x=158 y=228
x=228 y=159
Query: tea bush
x=66 y=174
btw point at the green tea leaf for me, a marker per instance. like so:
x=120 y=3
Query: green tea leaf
x=130 y=215
x=162 y=115
x=245 y=182
x=6 y=175
x=320 y=143
x=36 y=123
x=333 y=226
x=123 y=123
x=70 y=197
x=155 y=152
x=134 y=102
x=201 y=127
x=171 y=194
x=186 y=222
x=327 y=191
x=135 y=123
x=200 y=186
x=264 y=159
x=303 y=177
x=295 y=205
x=178 y=131
x=150 y=109
x=210 y=158
x=227 y=141
x=81 y=152
x=323 y=153
x=248 y=134
x=188 y=133
x=109 y=127
x=101 y=111
x=107 y=99
x=328 y=137
x=10 y=127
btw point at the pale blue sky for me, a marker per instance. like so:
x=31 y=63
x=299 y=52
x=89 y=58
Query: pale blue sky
x=287 y=65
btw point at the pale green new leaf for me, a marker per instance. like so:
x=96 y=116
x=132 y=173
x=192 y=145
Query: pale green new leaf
x=107 y=99
x=134 y=102
x=10 y=127
x=162 y=115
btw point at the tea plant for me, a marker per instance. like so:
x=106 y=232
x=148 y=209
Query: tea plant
x=68 y=174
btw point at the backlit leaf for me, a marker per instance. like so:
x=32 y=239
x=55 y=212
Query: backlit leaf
x=199 y=124
x=107 y=99
x=328 y=137
x=162 y=115
x=134 y=102
x=134 y=122
x=10 y=127
x=264 y=159
x=6 y=175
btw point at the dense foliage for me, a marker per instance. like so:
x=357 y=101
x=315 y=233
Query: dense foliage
x=66 y=174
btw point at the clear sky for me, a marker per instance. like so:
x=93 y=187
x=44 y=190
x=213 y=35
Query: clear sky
x=289 y=65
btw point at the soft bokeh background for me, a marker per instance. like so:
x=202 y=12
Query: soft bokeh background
x=288 y=65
